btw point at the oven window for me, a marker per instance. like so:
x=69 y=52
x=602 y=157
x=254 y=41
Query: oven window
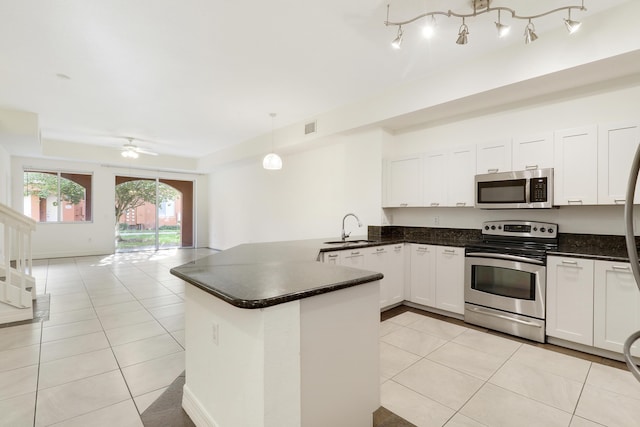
x=511 y=191
x=505 y=282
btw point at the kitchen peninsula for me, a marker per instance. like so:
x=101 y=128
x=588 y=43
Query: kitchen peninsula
x=275 y=338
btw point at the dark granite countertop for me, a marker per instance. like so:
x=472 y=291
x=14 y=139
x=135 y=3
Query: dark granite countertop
x=260 y=275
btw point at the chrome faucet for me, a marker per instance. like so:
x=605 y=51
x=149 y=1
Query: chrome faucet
x=345 y=235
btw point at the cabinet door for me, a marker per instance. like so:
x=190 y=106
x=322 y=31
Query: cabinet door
x=423 y=274
x=616 y=147
x=434 y=184
x=388 y=260
x=395 y=274
x=460 y=177
x=403 y=180
x=616 y=306
x=576 y=166
x=331 y=258
x=570 y=299
x=450 y=279
x=533 y=152
x=494 y=157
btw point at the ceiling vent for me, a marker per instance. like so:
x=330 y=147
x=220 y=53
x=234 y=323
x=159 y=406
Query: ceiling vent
x=310 y=128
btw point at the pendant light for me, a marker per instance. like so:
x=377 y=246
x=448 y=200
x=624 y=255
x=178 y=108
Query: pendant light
x=272 y=161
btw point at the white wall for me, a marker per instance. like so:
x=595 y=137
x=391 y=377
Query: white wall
x=96 y=237
x=5 y=177
x=306 y=199
x=598 y=107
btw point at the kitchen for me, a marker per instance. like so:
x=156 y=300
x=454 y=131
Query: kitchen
x=344 y=164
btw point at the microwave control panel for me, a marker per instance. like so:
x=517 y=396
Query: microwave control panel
x=538 y=188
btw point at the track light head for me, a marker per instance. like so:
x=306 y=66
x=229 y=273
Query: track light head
x=463 y=32
x=397 y=42
x=429 y=28
x=529 y=33
x=503 y=30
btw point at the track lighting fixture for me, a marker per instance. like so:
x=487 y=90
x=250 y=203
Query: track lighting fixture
x=462 y=33
x=503 y=29
x=429 y=28
x=572 y=26
x=481 y=7
x=529 y=33
x=397 y=42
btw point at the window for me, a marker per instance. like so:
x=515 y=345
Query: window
x=57 y=196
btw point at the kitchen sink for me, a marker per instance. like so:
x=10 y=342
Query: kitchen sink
x=347 y=242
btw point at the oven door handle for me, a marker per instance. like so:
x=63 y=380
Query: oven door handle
x=505 y=257
x=501 y=316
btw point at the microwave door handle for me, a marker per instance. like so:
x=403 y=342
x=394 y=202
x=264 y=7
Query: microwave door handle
x=505 y=257
x=527 y=190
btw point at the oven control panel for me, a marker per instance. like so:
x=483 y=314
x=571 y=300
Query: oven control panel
x=522 y=229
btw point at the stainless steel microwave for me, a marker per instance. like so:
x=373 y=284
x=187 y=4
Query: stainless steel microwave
x=515 y=190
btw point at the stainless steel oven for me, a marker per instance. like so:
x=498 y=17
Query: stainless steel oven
x=505 y=277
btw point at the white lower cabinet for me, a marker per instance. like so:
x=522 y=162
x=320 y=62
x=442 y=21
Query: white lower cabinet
x=388 y=260
x=570 y=299
x=617 y=306
x=423 y=274
x=437 y=277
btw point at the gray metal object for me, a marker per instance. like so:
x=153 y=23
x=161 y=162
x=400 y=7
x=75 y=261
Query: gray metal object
x=633 y=253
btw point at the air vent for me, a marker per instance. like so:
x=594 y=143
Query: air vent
x=310 y=128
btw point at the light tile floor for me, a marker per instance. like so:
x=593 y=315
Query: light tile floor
x=114 y=342
x=436 y=373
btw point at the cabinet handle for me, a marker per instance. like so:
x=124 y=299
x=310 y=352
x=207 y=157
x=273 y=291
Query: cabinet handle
x=461 y=204
x=567 y=262
x=404 y=205
x=574 y=201
x=531 y=166
x=333 y=256
x=423 y=249
x=355 y=253
x=619 y=201
x=449 y=251
x=492 y=170
x=398 y=247
x=435 y=204
x=621 y=267
x=379 y=249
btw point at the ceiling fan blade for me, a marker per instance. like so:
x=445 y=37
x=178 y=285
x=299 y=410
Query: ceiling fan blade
x=143 y=151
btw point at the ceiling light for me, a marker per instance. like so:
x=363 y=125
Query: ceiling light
x=481 y=7
x=462 y=33
x=503 y=29
x=130 y=154
x=272 y=161
x=397 y=42
x=572 y=26
x=529 y=33
x=429 y=28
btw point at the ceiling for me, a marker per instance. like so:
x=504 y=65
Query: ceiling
x=192 y=77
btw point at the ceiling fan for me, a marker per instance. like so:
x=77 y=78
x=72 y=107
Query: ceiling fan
x=132 y=151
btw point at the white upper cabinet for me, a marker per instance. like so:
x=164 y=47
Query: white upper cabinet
x=434 y=172
x=460 y=176
x=533 y=152
x=576 y=166
x=616 y=147
x=494 y=157
x=403 y=182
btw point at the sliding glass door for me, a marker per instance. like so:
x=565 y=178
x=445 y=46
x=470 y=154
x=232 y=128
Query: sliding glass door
x=153 y=214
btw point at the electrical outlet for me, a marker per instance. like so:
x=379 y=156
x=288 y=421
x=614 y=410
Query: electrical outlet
x=436 y=220
x=215 y=333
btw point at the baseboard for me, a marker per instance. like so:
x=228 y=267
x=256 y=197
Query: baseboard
x=195 y=410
